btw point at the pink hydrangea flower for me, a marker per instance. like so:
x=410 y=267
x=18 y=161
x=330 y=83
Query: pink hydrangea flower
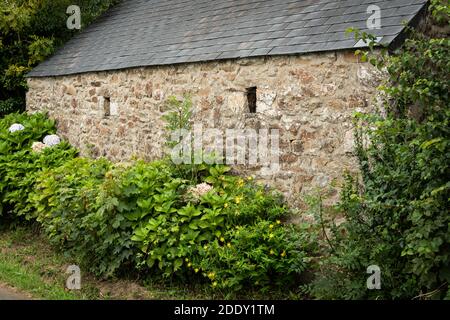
x=200 y=190
x=38 y=146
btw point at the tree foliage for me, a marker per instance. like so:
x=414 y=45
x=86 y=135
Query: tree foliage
x=30 y=31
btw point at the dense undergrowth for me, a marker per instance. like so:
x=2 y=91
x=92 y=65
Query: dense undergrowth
x=148 y=217
x=397 y=211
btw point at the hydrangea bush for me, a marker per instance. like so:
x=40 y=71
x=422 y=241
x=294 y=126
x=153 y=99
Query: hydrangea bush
x=22 y=159
x=175 y=221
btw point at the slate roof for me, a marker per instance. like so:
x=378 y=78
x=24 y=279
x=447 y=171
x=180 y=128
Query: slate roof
x=139 y=33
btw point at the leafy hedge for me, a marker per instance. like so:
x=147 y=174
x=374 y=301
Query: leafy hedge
x=148 y=217
x=397 y=215
x=19 y=166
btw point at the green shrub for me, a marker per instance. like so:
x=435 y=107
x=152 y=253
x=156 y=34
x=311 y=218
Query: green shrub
x=37 y=126
x=140 y=192
x=20 y=166
x=20 y=170
x=264 y=255
x=146 y=216
x=155 y=218
x=397 y=217
x=172 y=224
x=67 y=202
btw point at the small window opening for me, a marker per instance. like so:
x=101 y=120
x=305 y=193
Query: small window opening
x=251 y=99
x=106 y=106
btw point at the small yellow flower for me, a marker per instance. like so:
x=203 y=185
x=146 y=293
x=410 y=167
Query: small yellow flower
x=238 y=200
x=271 y=226
x=211 y=275
x=240 y=182
x=187 y=260
x=278 y=221
x=283 y=254
x=271 y=236
x=196 y=270
x=205 y=247
x=271 y=252
x=229 y=245
x=222 y=239
x=249 y=178
x=189 y=265
x=214 y=284
x=225 y=205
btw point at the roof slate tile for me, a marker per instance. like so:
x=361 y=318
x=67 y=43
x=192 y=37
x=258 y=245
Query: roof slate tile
x=138 y=33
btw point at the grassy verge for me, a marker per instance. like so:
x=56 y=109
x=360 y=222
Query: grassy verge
x=31 y=265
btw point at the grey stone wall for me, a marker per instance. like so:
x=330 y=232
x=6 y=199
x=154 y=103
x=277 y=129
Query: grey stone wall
x=309 y=98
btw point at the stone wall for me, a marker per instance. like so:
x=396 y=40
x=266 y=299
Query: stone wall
x=309 y=98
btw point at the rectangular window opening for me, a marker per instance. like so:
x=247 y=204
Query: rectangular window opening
x=106 y=106
x=251 y=99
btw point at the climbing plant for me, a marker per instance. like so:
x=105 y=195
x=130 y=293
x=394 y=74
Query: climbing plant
x=397 y=214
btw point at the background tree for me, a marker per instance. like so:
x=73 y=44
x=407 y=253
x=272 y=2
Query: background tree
x=30 y=31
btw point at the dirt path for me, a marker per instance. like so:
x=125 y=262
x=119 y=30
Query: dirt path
x=11 y=294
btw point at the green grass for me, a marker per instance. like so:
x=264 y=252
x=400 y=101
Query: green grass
x=14 y=273
x=30 y=264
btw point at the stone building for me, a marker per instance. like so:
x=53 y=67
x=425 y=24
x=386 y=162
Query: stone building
x=274 y=64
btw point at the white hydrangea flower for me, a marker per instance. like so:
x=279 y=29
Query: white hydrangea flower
x=38 y=146
x=51 y=140
x=16 y=127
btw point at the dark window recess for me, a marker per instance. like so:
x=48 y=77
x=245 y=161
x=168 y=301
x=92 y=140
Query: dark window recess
x=251 y=99
x=107 y=106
